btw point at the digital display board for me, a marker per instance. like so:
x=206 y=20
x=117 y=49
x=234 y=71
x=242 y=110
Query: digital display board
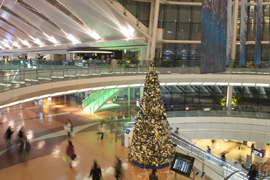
x=182 y=164
x=257 y=152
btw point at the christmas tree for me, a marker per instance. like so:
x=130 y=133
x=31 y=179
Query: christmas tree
x=151 y=143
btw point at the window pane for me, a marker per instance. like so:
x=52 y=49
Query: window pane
x=170 y=31
x=183 y=31
x=185 y=13
x=171 y=13
x=196 y=14
x=196 y=32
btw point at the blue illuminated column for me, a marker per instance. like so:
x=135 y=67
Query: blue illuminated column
x=243 y=33
x=258 y=43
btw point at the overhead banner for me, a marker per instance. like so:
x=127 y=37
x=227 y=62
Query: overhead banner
x=243 y=33
x=214 y=36
x=258 y=38
x=229 y=33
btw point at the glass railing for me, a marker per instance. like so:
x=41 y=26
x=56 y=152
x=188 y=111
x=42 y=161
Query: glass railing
x=202 y=156
x=219 y=113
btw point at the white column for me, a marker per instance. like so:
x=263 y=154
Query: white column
x=234 y=32
x=155 y=25
x=229 y=98
x=141 y=92
x=31 y=55
x=260 y=146
x=143 y=53
x=14 y=56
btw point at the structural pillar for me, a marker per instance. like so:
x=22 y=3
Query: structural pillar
x=229 y=98
x=234 y=33
x=155 y=25
x=141 y=92
x=261 y=147
x=129 y=104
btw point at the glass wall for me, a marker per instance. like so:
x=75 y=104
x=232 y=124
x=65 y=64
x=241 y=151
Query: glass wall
x=184 y=23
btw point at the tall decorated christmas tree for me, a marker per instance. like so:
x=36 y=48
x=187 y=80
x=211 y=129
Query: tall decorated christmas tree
x=151 y=143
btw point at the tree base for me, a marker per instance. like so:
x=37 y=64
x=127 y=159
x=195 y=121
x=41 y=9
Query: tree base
x=151 y=167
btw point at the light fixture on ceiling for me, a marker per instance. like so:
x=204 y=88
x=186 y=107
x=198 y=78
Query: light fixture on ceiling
x=16 y=44
x=94 y=35
x=7 y=45
x=52 y=39
x=24 y=42
x=37 y=41
x=127 y=32
x=73 y=39
x=1 y=47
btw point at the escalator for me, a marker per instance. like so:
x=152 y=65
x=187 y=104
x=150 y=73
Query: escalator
x=101 y=100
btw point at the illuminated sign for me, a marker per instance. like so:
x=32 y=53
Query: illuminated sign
x=182 y=164
x=257 y=152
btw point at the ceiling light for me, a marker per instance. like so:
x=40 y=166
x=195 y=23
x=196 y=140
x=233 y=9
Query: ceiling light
x=94 y=35
x=248 y=84
x=196 y=83
x=171 y=84
x=16 y=44
x=84 y=90
x=1 y=47
x=209 y=83
x=57 y=94
x=97 y=88
x=162 y=84
x=127 y=32
x=71 y=92
x=53 y=40
x=37 y=41
x=24 y=42
x=235 y=84
x=122 y=86
x=44 y=96
x=262 y=85
x=184 y=83
x=134 y=85
x=109 y=87
x=73 y=39
x=222 y=84
x=6 y=45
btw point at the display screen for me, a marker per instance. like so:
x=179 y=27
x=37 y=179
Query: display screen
x=128 y=131
x=182 y=164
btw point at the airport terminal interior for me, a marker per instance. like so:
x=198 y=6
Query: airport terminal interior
x=134 y=89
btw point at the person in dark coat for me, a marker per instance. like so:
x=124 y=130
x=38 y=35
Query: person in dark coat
x=8 y=136
x=70 y=152
x=153 y=175
x=95 y=172
x=20 y=135
x=24 y=149
x=252 y=172
x=118 y=169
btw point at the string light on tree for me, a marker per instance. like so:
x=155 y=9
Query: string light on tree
x=151 y=135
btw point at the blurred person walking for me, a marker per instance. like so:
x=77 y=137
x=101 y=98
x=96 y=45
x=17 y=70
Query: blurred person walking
x=8 y=135
x=24 y=149
x=102 y=129
x=20 y=135
x=70 y=152
x=153 y=175
x=69 y=128
x=95 y=172
x=118 y=169
x=252 y=172
x=176 y=131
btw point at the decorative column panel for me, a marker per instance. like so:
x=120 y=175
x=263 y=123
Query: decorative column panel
x=214 y=36
x=269 y=41
x=229 y=33
x=258 y=40
x=243 y=33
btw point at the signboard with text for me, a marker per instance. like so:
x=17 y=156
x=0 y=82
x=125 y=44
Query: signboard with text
x=257 y=152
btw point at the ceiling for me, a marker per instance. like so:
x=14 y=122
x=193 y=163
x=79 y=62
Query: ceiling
x=61 y=24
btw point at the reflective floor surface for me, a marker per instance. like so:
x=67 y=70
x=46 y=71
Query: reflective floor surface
x=44 y=129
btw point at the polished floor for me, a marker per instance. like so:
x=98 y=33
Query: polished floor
x=44 y=129
x=233 y=150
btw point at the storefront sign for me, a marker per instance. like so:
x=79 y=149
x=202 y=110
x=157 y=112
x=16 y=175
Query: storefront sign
x=257 y=152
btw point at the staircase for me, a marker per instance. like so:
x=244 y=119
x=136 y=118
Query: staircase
x=92 y=104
